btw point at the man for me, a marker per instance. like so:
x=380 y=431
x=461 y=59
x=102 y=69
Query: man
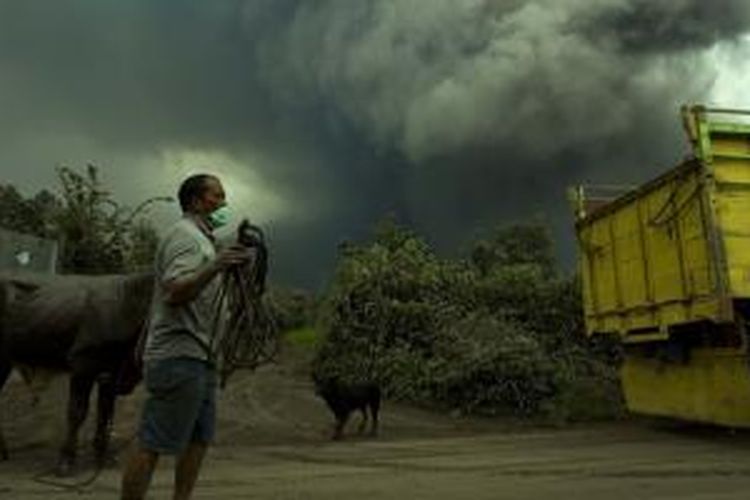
x=179 y=413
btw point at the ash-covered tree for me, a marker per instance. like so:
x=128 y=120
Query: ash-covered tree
x=33 y=215
x=496 y=333
x=97 y=234
x=515 y=245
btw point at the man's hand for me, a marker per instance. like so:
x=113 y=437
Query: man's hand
x=186 y=288
x=234 y=255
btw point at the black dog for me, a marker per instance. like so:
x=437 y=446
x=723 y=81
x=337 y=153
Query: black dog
x=343 y=398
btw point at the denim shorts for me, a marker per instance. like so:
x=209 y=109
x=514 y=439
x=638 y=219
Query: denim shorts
x=181 y=404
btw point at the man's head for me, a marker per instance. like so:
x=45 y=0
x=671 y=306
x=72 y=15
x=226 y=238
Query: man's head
x=201 y=195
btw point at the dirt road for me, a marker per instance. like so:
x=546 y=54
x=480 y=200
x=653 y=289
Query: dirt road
x=272 y=446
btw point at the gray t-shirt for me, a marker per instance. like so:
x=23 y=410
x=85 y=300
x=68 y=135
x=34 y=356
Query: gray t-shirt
x=182 y=330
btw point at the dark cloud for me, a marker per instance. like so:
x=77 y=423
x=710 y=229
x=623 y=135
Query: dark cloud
x=675 y=25
x=452 y=114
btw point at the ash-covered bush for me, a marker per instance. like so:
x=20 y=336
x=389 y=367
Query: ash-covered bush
x=488 y=365
x=499 y=332
x=292 y=308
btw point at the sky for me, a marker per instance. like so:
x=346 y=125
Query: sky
x=323 y=116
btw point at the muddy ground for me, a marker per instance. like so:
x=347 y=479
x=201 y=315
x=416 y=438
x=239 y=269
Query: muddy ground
x=272 y=445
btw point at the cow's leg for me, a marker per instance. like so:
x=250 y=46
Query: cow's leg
x=341 y=419
x=78 y=406
x=104 y=413
x=5 y=368
x=363 y=422
x=374 y=410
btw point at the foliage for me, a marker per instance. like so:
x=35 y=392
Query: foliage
x=488 y=364
x=292 y=308
x=97 y=234
x=514 y=245
x=305 y=336
x=34 y=215
x=496 y=334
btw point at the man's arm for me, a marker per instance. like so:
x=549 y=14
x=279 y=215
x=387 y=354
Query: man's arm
x=187 y=286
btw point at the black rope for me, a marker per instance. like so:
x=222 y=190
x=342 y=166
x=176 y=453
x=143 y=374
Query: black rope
x=245 y=335
x=660 y=218
x=77 y=486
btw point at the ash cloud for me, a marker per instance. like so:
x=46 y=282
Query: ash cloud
x=429 y=80
x=452 y=114
x=677 y=25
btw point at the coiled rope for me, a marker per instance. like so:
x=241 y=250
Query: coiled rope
x=245 y=335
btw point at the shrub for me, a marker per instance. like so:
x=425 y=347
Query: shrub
x=503 y=337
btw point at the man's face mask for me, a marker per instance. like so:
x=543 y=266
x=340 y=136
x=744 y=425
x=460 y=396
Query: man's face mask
x=219 y=217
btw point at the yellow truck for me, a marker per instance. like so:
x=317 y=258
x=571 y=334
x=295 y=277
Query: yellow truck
x=666 y=268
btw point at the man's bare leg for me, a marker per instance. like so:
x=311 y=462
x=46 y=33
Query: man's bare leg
x=137 y=474
x=186 y=470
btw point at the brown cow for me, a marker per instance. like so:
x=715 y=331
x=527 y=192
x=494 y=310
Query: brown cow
x=85 y=325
